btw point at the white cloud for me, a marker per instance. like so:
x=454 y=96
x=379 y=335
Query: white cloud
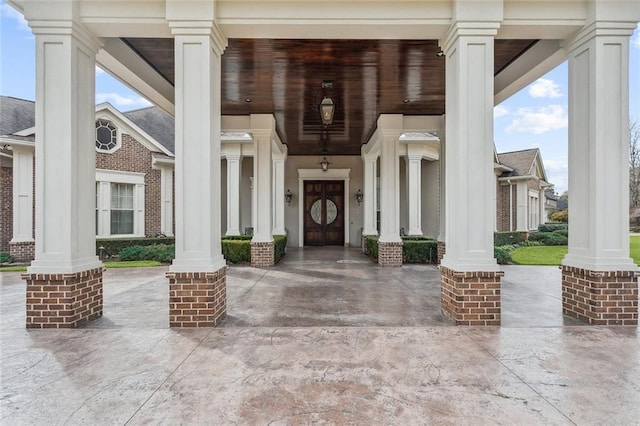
x=9 y=12
x=500 y=111
x=544 y=88
x=538 y=120
x=122 y=102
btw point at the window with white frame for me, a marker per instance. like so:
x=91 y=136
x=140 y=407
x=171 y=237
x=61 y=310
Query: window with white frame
x=119 y=203
x=534 y=209
x=107 y=139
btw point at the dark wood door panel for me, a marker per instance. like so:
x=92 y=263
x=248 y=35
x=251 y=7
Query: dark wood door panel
x=323 y=213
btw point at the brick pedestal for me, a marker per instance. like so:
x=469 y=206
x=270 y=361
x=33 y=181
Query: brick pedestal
x=389 y=254
x=23 y=251
x=471 y=298
x=197 y=299
x=63 y=300
x=441 y=247
x=363 y=244
x=262 y=255
x=600 y=297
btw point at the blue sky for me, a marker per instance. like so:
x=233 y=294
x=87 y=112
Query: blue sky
x=535 y=117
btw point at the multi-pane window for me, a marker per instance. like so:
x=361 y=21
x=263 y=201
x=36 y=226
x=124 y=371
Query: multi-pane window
x=121 y=208
x=534 y=208
x=106 y=135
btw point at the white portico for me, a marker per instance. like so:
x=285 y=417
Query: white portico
x=370 y=134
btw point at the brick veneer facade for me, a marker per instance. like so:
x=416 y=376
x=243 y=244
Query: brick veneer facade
x=197 y=299
x=63 y=300
x=471 y=298
x=600 y=297
x=135 y=157
x=262 y=254
x=389 y=254
x=23 y=251
x=441 y=248
x=6 y=207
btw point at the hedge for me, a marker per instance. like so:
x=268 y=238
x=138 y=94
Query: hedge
x=160 y=252
x=113 y=246
x=507 y=238
x=564 y=232
x=236 y=250
x=6 y=257
x=372 y=247
x=419 y=250
x=549 y=238
x=280 y=247
x=550 y=227
x=503 y=253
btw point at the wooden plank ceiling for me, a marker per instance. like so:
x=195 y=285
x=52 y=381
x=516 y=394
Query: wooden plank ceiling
x=369 y=78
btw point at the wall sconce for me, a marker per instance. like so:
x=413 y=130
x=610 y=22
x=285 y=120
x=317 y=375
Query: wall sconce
x=359 y=196
x=327 y=108
x=288 y=196
x=324 y=164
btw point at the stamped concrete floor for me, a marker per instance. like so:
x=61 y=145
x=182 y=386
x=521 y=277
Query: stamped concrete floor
x=323 y=338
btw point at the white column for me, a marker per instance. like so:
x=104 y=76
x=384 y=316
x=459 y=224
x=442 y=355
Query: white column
x=369 y=194
x=278 y=195
x=198 y=47
x=414 y=196
x=442 y=164
x=391 y=126
x=469 y=172
x=522 y=201
x=234 y=173
x=598 y=147
x=262 y=127
x=65 y=131
x=166 y=207
x=22 y=194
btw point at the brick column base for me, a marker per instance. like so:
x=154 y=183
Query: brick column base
x=63 y=300
x=262 y=255
x=471 y=298
x=441 y=247
x=600 y=297
x=197 y=299
x=24 y=251
x=389 y=254
x=363 y=244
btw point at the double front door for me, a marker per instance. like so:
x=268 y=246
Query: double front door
x=323 y=213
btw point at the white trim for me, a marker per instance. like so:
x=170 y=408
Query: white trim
x=318 y=174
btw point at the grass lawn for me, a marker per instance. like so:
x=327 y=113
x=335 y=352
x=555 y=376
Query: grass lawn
x=124 y=264
x=552 y=255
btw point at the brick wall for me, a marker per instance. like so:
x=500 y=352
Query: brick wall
x=262 y=255
x=6 y=207
x=442 y=249
x=23 y=251
x=197 y=299
x=600 y=298
x=63 y=300
x=389 y=254
x=471 y=298
x=502 y=208
x=134 y=157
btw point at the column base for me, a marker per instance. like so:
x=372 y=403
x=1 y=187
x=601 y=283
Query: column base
x=197 y=299
x=63 y=300
x=23 y=251
x=262 y=254
x=471 y=297
x=442 y=249
x=600 y=297
x=389 y=254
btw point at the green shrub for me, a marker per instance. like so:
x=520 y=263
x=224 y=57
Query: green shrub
x=6 y=257
x=280 y=247
x=549 y=238
x=564 y=232
x=551 y=227
x=159 y=252
x=372 y=247
x=113 y=246
x=560 y=216
x=530 y=243
x=635 y=229
x=236 y=250
x=507 y=238
x=237 y=237
x=503 y=253
x=419 y=250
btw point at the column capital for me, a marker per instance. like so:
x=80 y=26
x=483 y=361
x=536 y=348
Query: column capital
x=201 y=28
x=468 y=29
x=599 y=28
